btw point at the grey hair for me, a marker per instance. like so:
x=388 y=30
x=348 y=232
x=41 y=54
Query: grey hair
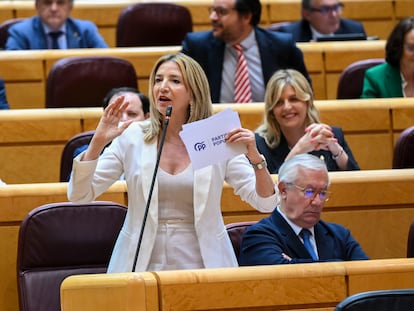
x=288 y=172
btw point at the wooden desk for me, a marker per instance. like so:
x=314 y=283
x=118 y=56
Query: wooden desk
x=28 y=70
x=363 y=201
x=319 y=286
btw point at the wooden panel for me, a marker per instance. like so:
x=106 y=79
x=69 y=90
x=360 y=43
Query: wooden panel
x=403 y=8
x=6 y=11
x=284 y=10
x=381 y=275
x=298 y=287
x=30 y=94
x=21 y=66
x=402 y=114
x=368 y=9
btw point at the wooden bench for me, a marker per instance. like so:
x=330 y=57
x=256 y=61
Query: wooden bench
x=32 y=140
x=374 y=205
x=378 y=16
x=28 y=70
x=319 y=286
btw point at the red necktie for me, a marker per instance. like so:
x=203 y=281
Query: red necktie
x=242 y=91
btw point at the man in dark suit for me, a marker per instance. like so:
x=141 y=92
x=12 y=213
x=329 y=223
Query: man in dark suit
x=53 y=28
x=321 y=17
x=235 y=22
x=294 y=232
x=3 y=98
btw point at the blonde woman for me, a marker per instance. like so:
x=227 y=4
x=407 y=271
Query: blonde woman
x=185 y=228
x=291 y=126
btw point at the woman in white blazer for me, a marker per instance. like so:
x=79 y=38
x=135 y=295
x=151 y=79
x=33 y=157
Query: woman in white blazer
x=184 y=228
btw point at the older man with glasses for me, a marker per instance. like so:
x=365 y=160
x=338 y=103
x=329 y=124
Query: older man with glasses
x=53 y=28
x=294 y=232
x=237 y=54
x=321 y=18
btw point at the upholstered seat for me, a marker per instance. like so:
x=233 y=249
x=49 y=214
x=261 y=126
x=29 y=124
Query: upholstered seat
x=66 y=161
x=153 y=24
x=351 y=80
x=382 y=300
x=235 y=231
x=83 y=81
x=410 y=241
x=4 y=30
x=404 y=149
x=61 y=239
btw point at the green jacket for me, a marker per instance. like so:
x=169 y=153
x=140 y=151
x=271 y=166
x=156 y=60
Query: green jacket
x=382 y=81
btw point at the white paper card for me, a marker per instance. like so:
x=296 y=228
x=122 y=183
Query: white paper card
x=205 y=142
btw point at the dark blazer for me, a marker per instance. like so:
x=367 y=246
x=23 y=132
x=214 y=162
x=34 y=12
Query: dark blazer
x=3 y=98
x=264 y=242
x=275 y=157
x=276 y=50
x=29 y=35
x=301 y=30
x=382 y=81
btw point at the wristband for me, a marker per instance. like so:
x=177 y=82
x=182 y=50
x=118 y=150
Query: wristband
x=335 y=157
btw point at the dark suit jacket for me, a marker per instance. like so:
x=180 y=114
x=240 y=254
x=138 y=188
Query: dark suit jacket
x=3 y=99
x=264 y=242
x=275 y=157
x=29 y=35
x=276 y=50
x=301 y=30
x=382 y=81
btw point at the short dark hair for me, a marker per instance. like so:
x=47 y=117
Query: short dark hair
x=120 y=90
x=395 y=42
x=245 y=7
x=306 y=4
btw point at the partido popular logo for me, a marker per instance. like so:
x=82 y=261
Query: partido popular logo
x=210 y=143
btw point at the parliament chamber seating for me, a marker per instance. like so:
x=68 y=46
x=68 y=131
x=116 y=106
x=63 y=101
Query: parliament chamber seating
x=153 y=24
x=84 y=81
x=351 y=80
x=404 y=149
x=235 y=231
x=4 y=27
x=61 y=239
x=71 y=145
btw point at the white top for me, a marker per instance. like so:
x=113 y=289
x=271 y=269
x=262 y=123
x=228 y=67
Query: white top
x=176 y=245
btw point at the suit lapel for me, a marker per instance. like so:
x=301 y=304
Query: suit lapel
x=324 y=243
x=393 y=83
x=215 y=60
x=295 y=247
x=202 y=185
x=148 y=155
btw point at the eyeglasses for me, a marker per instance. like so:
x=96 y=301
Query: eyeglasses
x=310 y=193
x=50 y=2
x=409 y=47
x=325 y=10
x=220 y=11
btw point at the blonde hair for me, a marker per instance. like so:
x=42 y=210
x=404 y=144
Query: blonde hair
x=194 y=79
x=270 y=128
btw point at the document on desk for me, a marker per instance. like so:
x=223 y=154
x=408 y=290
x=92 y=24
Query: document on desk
x=205 y=139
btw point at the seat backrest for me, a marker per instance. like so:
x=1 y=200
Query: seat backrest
x=351 y=80
x=4 y=30
x=404 y=149
x=66 y=161
x=235 y=231
x=276 y=26
x=382 y=300
x=61 y=239
x=153 y=24
x=410 y=241
x=83 y=81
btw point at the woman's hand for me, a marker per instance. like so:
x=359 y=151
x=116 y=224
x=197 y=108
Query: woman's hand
x=245 y=136
x=108 y=128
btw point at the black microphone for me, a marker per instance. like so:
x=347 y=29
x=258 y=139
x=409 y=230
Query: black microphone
x=157 y=164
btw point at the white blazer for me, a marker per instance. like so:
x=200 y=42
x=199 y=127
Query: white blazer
x=130 y=155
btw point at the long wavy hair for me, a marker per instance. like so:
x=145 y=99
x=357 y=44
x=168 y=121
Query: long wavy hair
x=270 y=128
x=194 y=79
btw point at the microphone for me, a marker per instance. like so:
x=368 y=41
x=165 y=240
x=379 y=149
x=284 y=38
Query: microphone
x=154 y=175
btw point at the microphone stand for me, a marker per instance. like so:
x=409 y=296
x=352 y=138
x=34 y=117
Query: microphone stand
x=157 y=164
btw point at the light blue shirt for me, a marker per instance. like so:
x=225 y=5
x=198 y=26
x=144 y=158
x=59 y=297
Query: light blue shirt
x=61 y=40
x=254 y=65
